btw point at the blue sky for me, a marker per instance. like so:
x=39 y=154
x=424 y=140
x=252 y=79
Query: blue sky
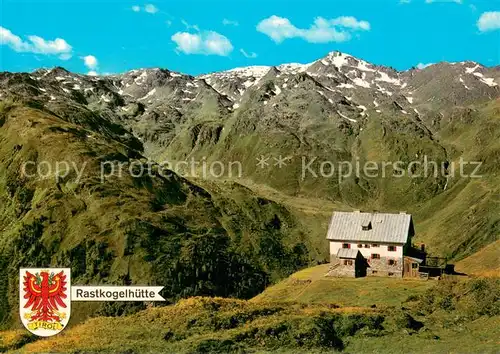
x=202 y=36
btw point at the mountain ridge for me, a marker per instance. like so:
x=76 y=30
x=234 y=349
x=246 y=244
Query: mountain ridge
x=291 y=65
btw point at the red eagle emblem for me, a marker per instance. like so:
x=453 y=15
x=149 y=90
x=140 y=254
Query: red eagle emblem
x=44 y=293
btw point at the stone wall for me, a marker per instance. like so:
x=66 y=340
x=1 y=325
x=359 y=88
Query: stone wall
x=381 y=267
x=339 y=269
x=377 y=267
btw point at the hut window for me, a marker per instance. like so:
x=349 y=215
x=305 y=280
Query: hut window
x=367 y=246
x=346 y=245
x=414 y=265
x=391 y=262
x=391 y=274
x=375 y=256
x=360 y=245
x=391 y=248
x=374 y=244
x=347 y=262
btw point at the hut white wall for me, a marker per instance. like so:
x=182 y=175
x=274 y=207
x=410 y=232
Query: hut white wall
x=382 y=249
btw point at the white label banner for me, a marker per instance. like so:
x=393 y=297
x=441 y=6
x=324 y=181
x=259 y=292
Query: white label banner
x=116 y=293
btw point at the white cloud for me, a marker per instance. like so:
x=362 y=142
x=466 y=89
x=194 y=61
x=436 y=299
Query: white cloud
x=90 y=61
x=321 y=31
x=278 y=28
x=189 y=26
x=36 y=44
x=436 y=1
x=227 y=22
x=250 y=55
x=489 y=21
x=350 y=22
x=10 y=39
x=92 y=73
x=57 y=46
x=65 y=56
x=423 y=66
x=150 y=8
x=187 y=42
x=207 y=43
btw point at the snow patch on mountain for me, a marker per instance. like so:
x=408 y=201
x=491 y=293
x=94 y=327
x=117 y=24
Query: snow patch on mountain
x=293 y=68
x=338 y=59
x=386 y=78
x=363 y=108
x=345 y=86
x=346 y=117
x=360 y=82
x=471 y=70
x=463 y=83
x=487 y=80
x=254 y=71
x=149 y=94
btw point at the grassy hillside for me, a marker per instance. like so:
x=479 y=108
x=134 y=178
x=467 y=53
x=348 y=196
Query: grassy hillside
x=311 y=286
x=464 y=218
x=450 y=316
x=486 y=262
x=151 y=229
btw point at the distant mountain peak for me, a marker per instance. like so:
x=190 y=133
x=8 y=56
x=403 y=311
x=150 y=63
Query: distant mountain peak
x=255 y=71
x=338 y=78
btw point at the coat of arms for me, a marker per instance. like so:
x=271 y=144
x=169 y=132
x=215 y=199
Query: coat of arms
x=44 y=299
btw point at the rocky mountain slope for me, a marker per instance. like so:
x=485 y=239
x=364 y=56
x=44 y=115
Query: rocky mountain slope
x=338 y=109
x=158 y=105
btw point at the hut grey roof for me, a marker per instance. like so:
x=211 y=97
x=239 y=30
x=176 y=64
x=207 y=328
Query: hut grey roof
x=390 y=228
x=347 y=253
x=418 y=260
